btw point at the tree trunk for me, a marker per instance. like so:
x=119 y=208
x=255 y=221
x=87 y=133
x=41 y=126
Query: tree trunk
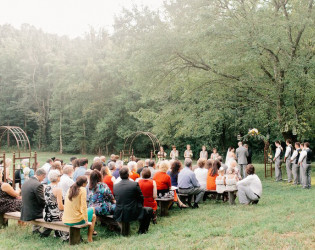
x=60 y=133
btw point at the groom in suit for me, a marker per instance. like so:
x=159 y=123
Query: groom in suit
x=241 y=155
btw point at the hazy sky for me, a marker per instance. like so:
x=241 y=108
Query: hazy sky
x=66 y=17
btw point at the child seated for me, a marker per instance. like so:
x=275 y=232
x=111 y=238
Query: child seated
x=220 y=181
x=231 y=180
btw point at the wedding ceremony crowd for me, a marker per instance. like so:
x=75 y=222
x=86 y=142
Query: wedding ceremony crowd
x=78 y=192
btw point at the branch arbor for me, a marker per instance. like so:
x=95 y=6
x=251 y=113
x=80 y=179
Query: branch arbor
x=23 y=149
x=128 y=149
x=254 y=133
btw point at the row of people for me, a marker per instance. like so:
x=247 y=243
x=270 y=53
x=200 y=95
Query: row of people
x=297 y=160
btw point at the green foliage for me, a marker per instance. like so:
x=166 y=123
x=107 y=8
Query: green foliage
x=198 y=72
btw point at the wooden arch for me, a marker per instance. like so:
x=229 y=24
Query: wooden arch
x=128 y=150
x=23 y=146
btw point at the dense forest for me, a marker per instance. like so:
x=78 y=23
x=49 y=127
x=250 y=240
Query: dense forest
x=198 y=72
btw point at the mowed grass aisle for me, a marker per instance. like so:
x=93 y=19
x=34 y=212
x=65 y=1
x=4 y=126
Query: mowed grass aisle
x=283 y=219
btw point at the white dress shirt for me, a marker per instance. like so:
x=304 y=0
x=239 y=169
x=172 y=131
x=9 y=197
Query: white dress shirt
x=278 y=152
x=201 y=175
x=119 y=180
x=253 y=182
x=287 y=151
x=303 y=154
x=65 y=183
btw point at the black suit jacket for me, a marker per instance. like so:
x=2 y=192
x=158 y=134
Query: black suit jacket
x=33 y=200
x=129 y=201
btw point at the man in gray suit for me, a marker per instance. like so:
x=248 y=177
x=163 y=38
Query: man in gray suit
x=241 y=155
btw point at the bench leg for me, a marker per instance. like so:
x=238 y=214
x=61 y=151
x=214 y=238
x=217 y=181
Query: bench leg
x=164 y=207
x=125 y=228
x=3 y=221
x=74 y=236
x=232 y=198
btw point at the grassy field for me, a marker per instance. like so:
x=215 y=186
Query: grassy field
x=283 y=219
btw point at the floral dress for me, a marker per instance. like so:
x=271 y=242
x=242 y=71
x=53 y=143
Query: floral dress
x=52 y=212
x=101 y=199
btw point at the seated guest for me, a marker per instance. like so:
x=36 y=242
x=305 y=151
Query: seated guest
x=95 y=160
x=65 y=181
x=76 y=164
x=54 y=206
x=212 y=175
x=220 y=182
x=118 y=166
x=75 y=209
x=103 y=160
x=146 y=165
x=209 y=164
x=10 y=199
x=129 y=202
x=82 y=169
x=176 y=167
x=250 y=188
x=8 y=163
x=152 y=167
x=100 y=197
x=188 y=183
x=224 y=166
x=201 y=173
x=140 y=166
x=132 y=165
x=119 y=178
x=97 y=165
x=108 y=179
x=233 y=164
x=72 y=160
x=47 y=165
x=149 y=191
x=162 y=179
x=231 y=180
x=33 y=200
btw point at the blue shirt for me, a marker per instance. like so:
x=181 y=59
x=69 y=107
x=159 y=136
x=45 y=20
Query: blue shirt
x=78 y=172
x=187 y=179
x=116 y=173
x=174 y=178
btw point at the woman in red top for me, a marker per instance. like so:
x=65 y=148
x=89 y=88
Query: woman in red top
x=108 y=179
x=149 y=191
x=213 y=173
x=162 y=179
x=132 y=165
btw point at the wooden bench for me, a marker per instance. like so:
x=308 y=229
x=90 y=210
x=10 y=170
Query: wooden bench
x=74 y=231
x=164 y=204
x=109 y=219
x=231 y=195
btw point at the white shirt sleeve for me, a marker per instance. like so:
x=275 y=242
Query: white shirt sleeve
x=302 y=156
x=287 y=151
x=295 y=153
x=245 y=182
x=278 y=151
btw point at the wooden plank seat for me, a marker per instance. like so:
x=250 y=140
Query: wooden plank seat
x=74 y=231
x=231 y=195
x=164 y=204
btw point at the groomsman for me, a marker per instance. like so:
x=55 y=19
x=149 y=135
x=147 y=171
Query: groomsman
x=241 y=155
x=305 y=161
x=277 y=160
x=295 y=167
x=287 y=159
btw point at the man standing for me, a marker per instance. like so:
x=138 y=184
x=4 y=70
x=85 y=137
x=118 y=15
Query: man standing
x=33 y=200
x=305 y=162
x=249 y=157
x=277 y=160
x=129 y=202
x=295 y=167
x=188 y=184
x=241 y=155
x=81 y=170
x=287 y=159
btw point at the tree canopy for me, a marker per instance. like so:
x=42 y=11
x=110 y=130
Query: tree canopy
x=196 y=72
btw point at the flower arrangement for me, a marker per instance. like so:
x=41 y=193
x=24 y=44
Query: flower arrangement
x=253 y=132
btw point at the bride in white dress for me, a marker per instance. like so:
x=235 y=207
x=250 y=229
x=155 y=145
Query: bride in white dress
x=230 y=156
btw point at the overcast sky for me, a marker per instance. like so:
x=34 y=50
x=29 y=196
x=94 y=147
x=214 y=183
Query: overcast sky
x=66 y=17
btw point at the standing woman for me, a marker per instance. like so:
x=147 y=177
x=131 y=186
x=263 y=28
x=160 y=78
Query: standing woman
x=204 y=153
x=75 y=209
x=188 y=154
x=277 y=160
x=214 y=155
x=149 y=191
x=174 y=153
x=100 y=197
